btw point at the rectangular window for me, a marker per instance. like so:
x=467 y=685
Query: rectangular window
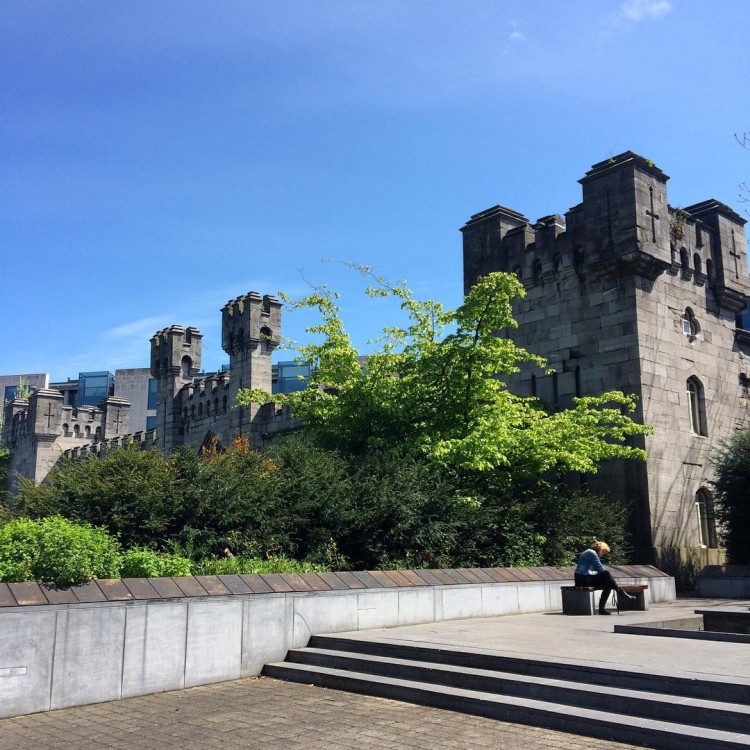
x=150 y=423
x=151 y=394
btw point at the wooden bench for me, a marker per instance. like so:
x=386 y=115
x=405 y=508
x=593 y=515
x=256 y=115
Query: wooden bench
x=584 y=600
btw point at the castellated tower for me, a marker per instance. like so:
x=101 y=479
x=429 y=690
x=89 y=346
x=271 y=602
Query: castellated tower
x=626 y=292
x=250 y=331
x=41 y=429
x=175 y=361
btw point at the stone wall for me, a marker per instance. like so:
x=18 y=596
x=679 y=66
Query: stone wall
x=627 y=293
x=115 y=639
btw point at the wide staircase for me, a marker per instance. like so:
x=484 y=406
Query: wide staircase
x=653 y=710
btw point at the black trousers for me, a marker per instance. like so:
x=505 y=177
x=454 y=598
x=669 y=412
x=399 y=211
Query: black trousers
x=602 y=580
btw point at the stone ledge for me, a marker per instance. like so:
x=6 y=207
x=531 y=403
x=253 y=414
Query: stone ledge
x=181 y=587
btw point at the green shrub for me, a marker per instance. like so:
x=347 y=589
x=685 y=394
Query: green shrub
x=732 y=466
x=145 y=563
x=570 y=520
x=54 y=550
x=245 y=565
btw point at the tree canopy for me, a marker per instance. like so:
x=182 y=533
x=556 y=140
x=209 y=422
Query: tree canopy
x=436 y=389
x=732 y=464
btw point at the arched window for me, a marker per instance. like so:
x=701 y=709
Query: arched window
x=684 y=259
x=87 y=431
x=578 y=257
x=690 y=326
x=578 y=381
x=187 y=364
x=704 y=512
x=697 y=263
x=517 y=271
x=537 y=272
x=533 y=385
x=710 y=269
x=200 y=411
x=224 y=403
x=696 y=407
x=555 y=390
x=76 y=431
x=66 y=430
x=557 y=262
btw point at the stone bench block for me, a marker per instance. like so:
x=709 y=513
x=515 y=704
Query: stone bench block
x=578 y=600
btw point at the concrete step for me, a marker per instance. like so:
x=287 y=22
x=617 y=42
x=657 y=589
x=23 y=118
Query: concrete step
x=709 y=689
x=646 y=704
x=521 y=710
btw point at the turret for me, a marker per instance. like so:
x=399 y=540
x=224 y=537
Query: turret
x=484 y=250
x=175 y=361
x=626 y=215
x=250 y=331
x=729 y=251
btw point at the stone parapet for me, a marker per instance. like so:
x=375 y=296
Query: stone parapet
x=115 y=639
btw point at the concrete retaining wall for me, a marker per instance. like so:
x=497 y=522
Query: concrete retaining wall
x=724 y=582
x=58 y=655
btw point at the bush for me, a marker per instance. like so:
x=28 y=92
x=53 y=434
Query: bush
x=145 y=563
x=235 y=565
x=136 y=495
x=570 y=520
x=732 y=465
x=54 y=550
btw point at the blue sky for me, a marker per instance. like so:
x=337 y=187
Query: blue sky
x=160 y=158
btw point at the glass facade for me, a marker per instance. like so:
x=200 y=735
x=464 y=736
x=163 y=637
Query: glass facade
x=290 y=376
x=10 y=392
x=151 y=423
x=94 y=387
x=151 y=394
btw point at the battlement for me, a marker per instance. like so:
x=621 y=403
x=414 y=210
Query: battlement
x=250 y=320
x=176 y=352
x=624 y=225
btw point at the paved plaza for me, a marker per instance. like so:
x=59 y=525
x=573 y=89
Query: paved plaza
x=273 y=715
x=270 y=714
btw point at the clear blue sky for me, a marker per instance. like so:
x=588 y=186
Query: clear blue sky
x=160 y=158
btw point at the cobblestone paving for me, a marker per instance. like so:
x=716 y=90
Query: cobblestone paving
x=273 y=715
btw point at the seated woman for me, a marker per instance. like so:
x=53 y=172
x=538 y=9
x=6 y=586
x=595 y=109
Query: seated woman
x=591 y=572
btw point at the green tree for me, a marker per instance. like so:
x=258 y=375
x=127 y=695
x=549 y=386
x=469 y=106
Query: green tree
x=732 y=465
x=435 y=390
x=140 y=496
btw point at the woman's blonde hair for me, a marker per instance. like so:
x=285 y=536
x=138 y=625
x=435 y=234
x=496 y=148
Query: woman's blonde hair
x=603 y=547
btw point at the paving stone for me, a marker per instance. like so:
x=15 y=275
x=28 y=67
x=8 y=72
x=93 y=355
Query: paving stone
x=277 y=582
x=58 y=595
x=114 y=590
x=235 y=584
x=189 y=586
x=413 y=577
x=141 y=588
x=27 y=594
x=213 y=585
x=367 y=579
x=333 y=580
x=166 y=588
x=350 y=579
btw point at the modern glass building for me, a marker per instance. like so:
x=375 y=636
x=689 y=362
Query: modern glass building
x=94 y=387
x=287 y=377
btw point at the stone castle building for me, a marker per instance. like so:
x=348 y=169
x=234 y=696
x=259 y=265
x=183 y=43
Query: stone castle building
x=626 y=292
x=190 y=410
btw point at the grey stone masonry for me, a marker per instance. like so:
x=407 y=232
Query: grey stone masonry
x=626 y=292
x=191 y=410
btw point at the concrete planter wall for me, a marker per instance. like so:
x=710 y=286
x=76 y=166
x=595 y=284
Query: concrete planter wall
x=724 y=582
x=65 y=654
